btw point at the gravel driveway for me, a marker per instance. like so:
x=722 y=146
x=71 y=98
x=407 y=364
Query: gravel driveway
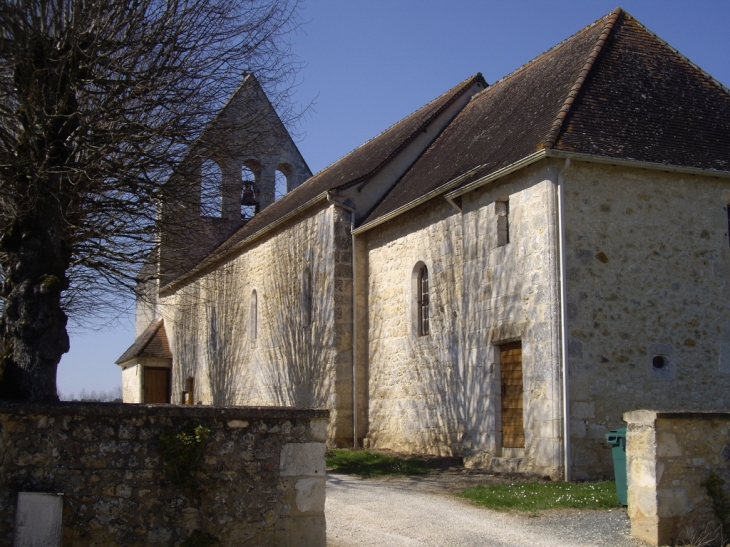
x=399 y=511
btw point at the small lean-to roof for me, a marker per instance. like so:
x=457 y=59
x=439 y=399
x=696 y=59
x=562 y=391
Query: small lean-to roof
x=152 y=343
x=360 y=164
x=613 y=89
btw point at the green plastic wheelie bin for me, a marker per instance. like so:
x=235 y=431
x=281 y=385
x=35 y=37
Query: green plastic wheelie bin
x=617 y=440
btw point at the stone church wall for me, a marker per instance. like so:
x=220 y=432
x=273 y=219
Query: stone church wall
x=440 y=393
x=288 y=356
x=132 y=383
x=415 y=384
x=511 y=294
x=647 y=262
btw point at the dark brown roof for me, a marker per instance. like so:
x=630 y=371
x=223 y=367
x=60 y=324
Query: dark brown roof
x=504 y=123
x=644 y=101
x=613 y=89
x=152 y=343
x=358 y=165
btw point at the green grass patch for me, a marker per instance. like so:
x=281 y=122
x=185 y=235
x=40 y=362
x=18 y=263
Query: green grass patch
x=370 y=464
x=540 y=496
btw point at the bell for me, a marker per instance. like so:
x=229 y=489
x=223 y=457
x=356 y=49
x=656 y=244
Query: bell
x=249 y=194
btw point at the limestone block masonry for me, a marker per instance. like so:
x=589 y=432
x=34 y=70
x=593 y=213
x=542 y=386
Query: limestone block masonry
x=669 y=455
x=271 y=349
x=647 y=260
x=415 y=388
x=440 y=393
x=510 y=294
x=262 y=476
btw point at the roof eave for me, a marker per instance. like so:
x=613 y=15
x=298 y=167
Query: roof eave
x=624 y=162
x=519 y=164
x=415 y=203
x=590 y=158
x=525 y=162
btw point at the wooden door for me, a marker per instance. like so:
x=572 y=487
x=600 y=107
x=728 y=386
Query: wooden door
x=513 y=429
x=156 y=385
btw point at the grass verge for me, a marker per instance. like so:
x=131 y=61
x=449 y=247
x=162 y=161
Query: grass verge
x=370 y=464
x=539 y=496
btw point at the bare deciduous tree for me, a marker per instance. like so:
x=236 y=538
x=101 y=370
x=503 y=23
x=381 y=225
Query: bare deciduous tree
x=99 y=102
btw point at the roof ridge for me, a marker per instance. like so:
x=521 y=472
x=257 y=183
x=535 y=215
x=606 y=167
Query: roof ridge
x=463 y=85
x=552 y=135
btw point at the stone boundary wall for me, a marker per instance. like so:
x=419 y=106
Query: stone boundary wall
x=669 y=455
x=262 y=477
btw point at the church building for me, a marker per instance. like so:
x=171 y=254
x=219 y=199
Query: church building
x=498 y=276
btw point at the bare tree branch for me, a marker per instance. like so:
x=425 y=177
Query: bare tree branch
x=100 y=104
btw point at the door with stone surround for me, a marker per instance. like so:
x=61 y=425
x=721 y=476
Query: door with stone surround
x=156 y=385
x=513 y=429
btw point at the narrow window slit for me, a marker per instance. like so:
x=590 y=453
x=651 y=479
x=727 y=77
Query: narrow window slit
x=502 y=211
x=423 y=326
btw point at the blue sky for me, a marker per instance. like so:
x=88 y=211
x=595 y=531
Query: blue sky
x=370 y=63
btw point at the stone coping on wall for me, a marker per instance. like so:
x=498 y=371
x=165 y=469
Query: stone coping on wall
x=669 y=457
x=649 y=417
x=163 y=410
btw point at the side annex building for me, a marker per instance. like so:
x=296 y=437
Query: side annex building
x=499 y=276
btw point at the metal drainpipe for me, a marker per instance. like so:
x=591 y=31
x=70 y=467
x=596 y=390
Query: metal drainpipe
x=330 y=198
x=563 y=322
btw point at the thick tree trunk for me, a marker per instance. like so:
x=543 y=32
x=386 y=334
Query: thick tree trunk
x=33 y=327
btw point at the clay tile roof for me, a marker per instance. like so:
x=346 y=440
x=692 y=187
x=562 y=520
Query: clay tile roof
x=368 y=158
x=645 y=101
x=509 y=120
x=152 y=343
x=613 y=89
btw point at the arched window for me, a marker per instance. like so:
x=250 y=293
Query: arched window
x=254 y=319
x=420 y=300
x=307 y=297
x=249 y=192
x=423 y=301
x=280 y=184
x=211 y=189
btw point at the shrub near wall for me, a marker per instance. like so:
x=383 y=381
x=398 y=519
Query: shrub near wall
x=260 y=476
